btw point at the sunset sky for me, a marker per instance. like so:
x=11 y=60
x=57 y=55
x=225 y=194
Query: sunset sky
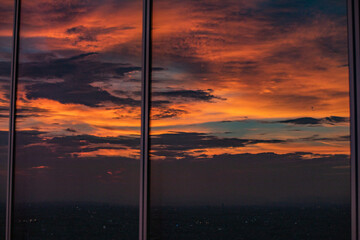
x=79 y=103
x=249 y=101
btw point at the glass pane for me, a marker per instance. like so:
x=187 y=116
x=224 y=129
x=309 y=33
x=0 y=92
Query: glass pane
x=250 y=120
x=78 y=120
x=6 y=39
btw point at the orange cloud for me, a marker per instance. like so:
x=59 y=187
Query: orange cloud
x=41 y=167
x=254 y=68
x=257 y=68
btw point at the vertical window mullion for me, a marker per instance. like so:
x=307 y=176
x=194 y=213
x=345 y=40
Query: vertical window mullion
x=12 y=113
x=354 y=67
x=145 y=116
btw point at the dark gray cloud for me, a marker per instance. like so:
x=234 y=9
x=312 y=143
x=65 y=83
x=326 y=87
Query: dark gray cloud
x=176 y=142
x=316 y=121
x=234 y=179
x=24 y=138
x=73 y=68
x=157 y=69
x=69 y=146
x=202 y=95
x=66 y=146
x=182 y=141
x=316 y=137
x=76 y=85
x=78 y=94
x=70 y=130
x=169 y=145
x=168 y=113
x=164 y=108
x=84 y=140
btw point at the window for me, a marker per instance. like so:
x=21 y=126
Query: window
x=250 y=120
x=78 y=120
x=212 y=119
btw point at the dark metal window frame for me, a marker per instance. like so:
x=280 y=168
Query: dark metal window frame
x=354 y=76
x=12 y=120
x=145 y=122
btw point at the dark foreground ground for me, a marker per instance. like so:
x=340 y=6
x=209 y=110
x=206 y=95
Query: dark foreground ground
x=105 y=222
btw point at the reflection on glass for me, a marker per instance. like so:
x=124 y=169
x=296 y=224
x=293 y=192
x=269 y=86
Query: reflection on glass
x=250 y=120
x=6 y=32
x=78 y=118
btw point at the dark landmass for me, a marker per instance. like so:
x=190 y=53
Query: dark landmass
x=83 y=221
x=251 y=223
x=108 y=222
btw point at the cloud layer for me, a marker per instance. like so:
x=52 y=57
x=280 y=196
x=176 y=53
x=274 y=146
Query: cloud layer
x=249 y=101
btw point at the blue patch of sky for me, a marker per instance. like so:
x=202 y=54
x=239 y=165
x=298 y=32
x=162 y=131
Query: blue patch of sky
x=262 y=129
